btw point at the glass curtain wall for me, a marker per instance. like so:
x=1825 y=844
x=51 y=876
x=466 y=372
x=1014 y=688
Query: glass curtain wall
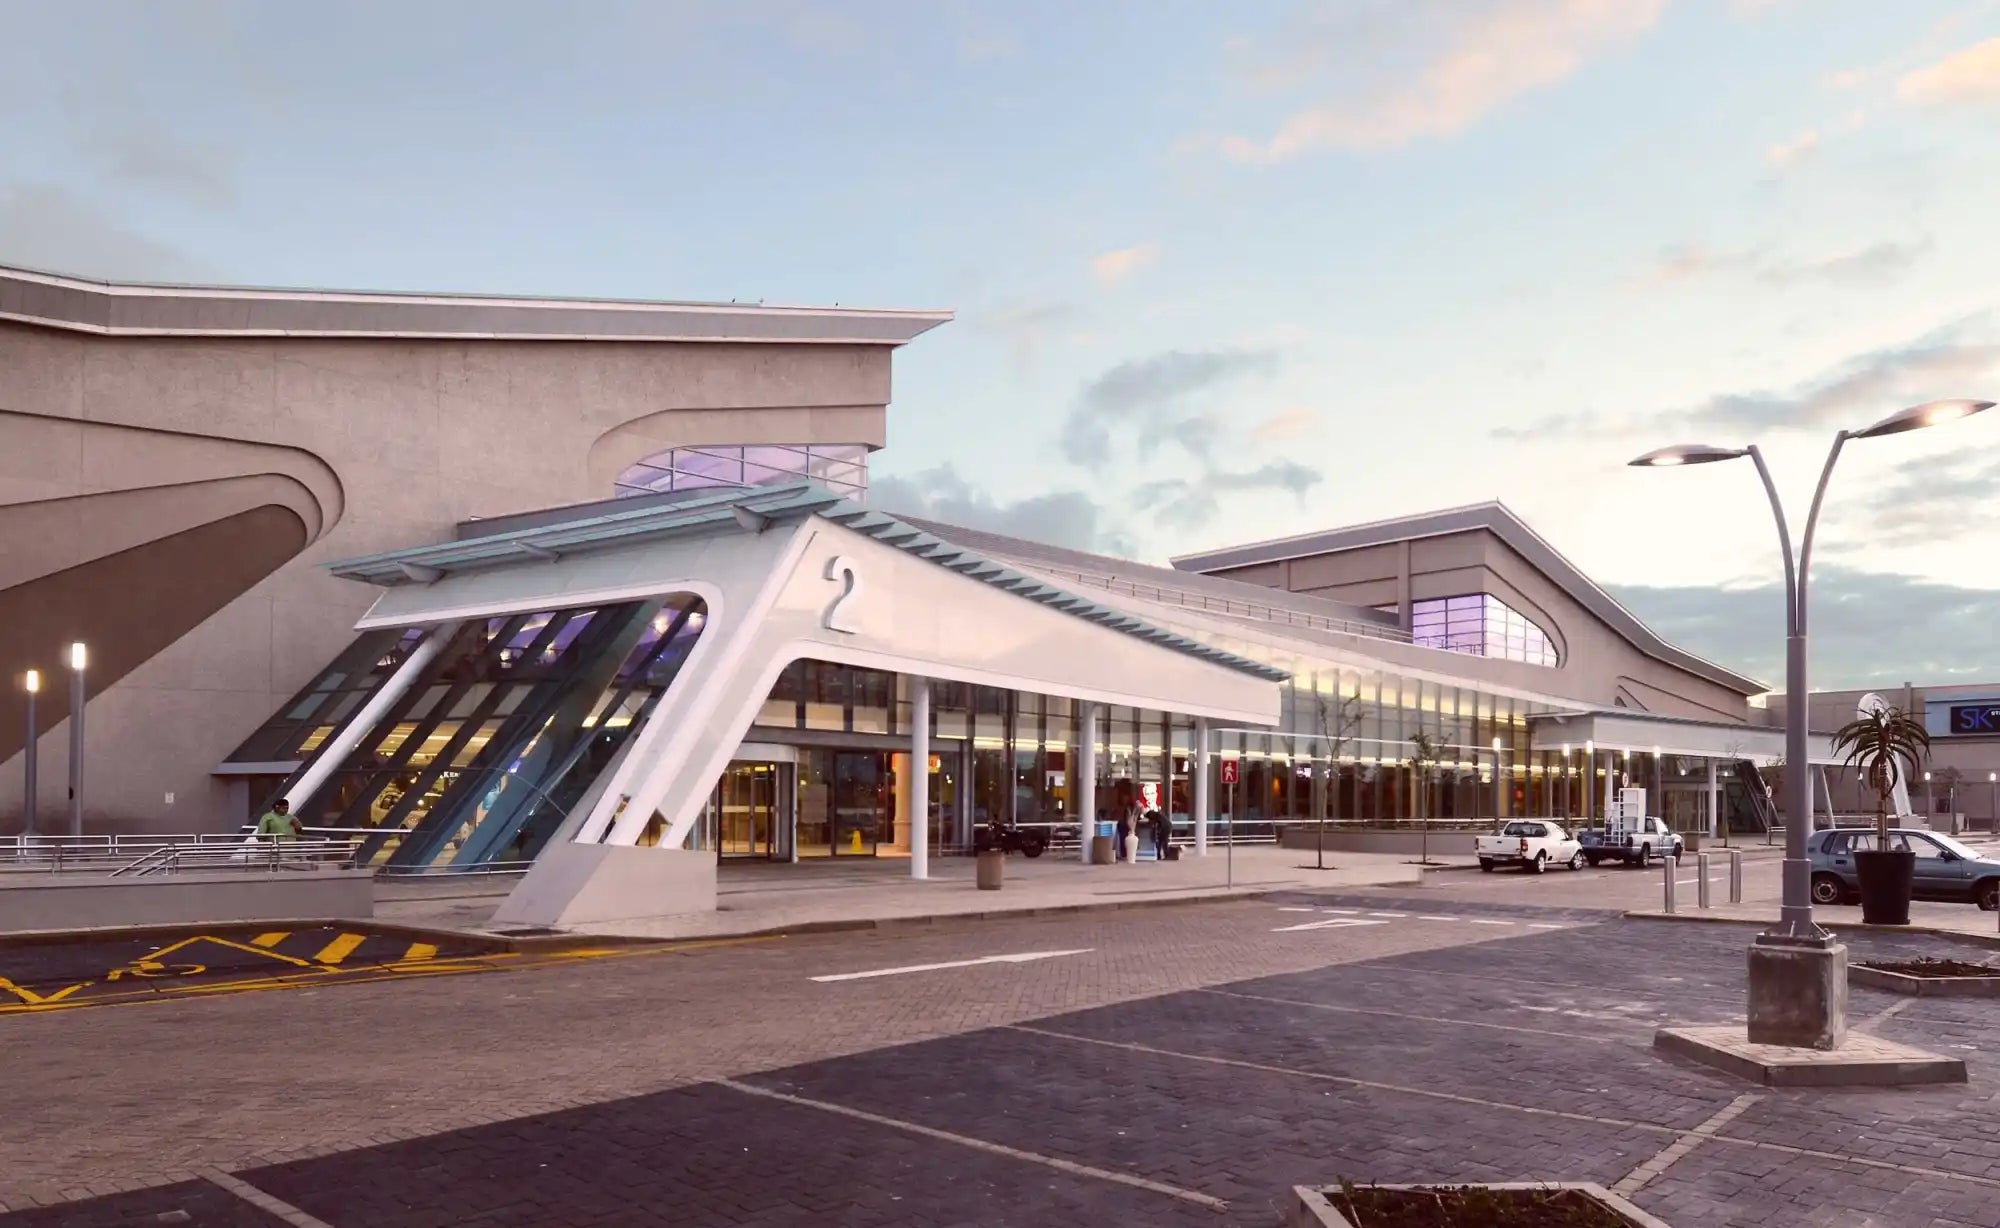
x=503 y=735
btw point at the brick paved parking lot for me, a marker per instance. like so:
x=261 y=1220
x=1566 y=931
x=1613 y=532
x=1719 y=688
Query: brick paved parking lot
x=1186 y=1067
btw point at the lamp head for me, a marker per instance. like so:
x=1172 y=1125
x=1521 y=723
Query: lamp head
x=32 y=681
x=76 y=655
x=1917 y=417
x=1686 y=454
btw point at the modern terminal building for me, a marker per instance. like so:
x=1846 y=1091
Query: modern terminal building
x=598 y=586
x=1960 y=789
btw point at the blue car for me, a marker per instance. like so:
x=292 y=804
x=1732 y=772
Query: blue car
x=1946 y=869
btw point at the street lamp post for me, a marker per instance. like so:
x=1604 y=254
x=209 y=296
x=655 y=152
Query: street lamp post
x=31 y=682
x=1798 y=974
x=76 y=699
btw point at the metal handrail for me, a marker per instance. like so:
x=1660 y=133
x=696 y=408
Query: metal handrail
x=1228 y=605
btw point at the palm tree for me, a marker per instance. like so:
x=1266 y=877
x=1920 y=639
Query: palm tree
x=1885 y=746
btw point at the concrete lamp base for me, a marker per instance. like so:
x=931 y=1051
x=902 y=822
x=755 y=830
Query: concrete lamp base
x=1798 y=993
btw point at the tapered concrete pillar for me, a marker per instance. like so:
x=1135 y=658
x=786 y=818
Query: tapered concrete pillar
x=920 y=777
x=1086 y=779
x=1714 y=803
x=1201 y=777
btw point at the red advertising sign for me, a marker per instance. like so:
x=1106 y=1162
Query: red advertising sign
x=1229 y=771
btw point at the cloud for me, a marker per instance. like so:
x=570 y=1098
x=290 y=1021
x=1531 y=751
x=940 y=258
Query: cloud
x=49 y=227
x=1285 y=425
x=1429 y=69
x=1877 y=262
x=1117 y=265
x=1971 y=75
x=1931 y=499
x=1784 y=153
x=1147 y=400
x=1062 y=518
x=1851 y=393
x=1025 y=327
x=1874 y=263
x=140 y=152
x=1869 y=628
x=1192 y=503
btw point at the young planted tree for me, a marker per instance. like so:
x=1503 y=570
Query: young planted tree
x=1425 y=754
x=1885 y=746
x=1338 y=721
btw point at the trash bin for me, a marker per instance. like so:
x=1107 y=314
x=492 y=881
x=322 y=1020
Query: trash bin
x=1102 y=850
x=992 y=866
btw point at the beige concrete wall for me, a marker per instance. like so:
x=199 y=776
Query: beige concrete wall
x=1599 y=665
x=109 y=445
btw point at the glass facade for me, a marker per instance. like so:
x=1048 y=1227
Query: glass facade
x=501 y=736
x=840 y=467
x=1482 y=625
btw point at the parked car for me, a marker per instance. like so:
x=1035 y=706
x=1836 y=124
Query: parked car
x=1945 y=869
x=1635 y=845
x=1532 y=844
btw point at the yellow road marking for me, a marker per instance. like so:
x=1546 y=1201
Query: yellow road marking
x=340 y=948
x=419 y=951
x=269 y=940
x=29 y=997
x=158 y=956
x=306 y=974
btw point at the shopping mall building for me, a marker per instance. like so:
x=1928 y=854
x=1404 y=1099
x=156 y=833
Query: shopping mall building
x=598 y=585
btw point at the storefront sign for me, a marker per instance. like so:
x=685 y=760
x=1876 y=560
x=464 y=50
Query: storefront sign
x=1975 y=718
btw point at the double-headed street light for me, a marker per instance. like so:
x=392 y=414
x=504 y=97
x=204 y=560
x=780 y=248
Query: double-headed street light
x=1795 y=929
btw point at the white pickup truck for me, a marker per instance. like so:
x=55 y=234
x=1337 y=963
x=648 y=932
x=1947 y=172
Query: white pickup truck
x=1532 y=844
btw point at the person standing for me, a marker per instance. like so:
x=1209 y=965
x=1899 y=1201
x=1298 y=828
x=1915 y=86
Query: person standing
x=279 y=823
x=1163 y=833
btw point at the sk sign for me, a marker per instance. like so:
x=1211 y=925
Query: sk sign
x=1975 y=718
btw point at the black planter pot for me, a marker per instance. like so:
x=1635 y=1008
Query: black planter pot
x=1885 y=885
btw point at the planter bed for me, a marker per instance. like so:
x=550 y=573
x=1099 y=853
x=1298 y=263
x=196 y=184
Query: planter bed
x=1928 y=978
x=1503 y=1205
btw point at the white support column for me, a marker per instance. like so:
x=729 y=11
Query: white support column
x=349 y=736
x=1201 y=777
x=1714 y=802
x=1086 y=778
x=920 y=777
x=1166 y=779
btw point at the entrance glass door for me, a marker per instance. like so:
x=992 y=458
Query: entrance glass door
x=864 y=791
x=751 y=810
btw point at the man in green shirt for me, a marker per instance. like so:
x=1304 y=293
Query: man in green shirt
x=279 y=823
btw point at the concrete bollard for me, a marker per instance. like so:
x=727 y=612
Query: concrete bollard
x=1671 y=867
x=1735 y=876
x=1701 y=888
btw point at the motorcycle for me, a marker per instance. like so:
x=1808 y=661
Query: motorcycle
x=1010 y=838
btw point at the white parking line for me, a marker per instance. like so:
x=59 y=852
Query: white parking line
x=1484 y=921
x=1331 y=924
x=1429 y=917
x=1543 y=925
x=1388 y=914
x=1022 y=957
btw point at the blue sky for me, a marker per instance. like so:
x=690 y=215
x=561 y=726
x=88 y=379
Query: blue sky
x=1224 y=272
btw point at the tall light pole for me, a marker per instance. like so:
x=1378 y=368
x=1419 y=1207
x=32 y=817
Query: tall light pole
x=76 y=660
x=1793 y=1000
x=1499 y=789
x=31 y=682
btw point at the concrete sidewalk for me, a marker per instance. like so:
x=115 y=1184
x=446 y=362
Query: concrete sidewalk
x=758 y=898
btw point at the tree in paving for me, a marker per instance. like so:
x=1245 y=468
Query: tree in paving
x=1338 y=722
x=1425 y=754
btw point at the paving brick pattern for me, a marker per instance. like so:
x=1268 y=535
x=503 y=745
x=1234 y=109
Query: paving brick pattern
x=1192 y=1049
x=195 y=1204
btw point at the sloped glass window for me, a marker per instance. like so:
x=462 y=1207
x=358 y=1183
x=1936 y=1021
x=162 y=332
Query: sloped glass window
x=506 y=733
x=1482 y=625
